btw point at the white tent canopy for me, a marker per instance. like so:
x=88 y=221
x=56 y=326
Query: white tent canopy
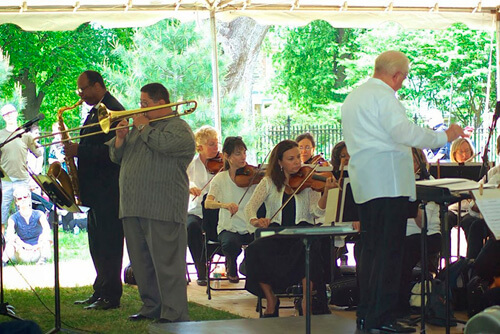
x=69 y=14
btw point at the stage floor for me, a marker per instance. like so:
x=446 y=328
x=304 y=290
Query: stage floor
x=331 y=323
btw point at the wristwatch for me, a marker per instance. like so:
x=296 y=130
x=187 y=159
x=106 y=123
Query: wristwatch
x=140 y=127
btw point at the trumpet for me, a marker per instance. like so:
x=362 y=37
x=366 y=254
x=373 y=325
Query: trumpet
x=107 y=117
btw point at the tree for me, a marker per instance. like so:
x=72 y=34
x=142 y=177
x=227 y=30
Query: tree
x=309 y=64
x=177 y=55
x=46 y=64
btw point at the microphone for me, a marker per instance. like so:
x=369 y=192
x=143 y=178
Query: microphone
x=30 y=123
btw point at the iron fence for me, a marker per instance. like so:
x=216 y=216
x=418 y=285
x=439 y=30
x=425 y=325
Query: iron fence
x=327 y=136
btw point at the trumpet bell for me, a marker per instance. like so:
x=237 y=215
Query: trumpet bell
x=104 y=118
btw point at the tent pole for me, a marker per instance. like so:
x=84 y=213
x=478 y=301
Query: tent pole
x=497 y=24
x=215 y=72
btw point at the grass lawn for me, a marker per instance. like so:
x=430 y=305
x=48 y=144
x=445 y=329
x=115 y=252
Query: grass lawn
x=75 y=317
x=72 y=246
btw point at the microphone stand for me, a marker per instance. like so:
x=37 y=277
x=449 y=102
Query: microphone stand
x=5 y=308
x=485 y=165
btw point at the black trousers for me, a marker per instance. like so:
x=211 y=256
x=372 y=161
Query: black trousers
x=195 y=244
x=383 y=229
x=231 y=243
x=105 y=232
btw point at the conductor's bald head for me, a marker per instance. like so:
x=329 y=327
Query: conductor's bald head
x=392 y=67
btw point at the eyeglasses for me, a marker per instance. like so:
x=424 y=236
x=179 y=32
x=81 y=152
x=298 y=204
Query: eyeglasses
x=306 y=148
x=80 y=91
x=464 y=152
x=21 y=198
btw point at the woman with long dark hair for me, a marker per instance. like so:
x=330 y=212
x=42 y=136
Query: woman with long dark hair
x=278 y=263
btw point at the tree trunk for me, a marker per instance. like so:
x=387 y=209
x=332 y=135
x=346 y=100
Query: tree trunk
x=33 y=100
x=241 y=39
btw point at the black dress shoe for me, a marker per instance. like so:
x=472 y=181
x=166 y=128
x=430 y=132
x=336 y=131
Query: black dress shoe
x=102 y=304
x=393 y=327
x=163 y=321
x=88 y=301
x=138 y=317
x=276 y=312
x=201 y=282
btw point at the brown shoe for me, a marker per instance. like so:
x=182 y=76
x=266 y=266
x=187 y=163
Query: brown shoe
x=233 y=279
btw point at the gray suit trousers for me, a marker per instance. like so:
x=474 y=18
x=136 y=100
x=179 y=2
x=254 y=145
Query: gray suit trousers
x=157 y=251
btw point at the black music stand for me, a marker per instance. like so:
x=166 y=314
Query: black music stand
x=467 y=170
x=308 y=234
x=444 y=198
x=62 y=200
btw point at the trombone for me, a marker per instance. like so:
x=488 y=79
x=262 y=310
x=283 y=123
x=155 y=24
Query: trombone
x=107 y=117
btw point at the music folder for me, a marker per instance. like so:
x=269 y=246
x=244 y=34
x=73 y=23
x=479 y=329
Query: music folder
x=340 y=205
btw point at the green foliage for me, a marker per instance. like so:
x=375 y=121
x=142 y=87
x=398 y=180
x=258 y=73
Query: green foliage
x=309 y=68
x=317 y=65
x=46 y=65
x=177 y=55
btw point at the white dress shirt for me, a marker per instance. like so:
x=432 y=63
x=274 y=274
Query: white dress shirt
x=379 y=138
x=224 y=190
x=198 y=177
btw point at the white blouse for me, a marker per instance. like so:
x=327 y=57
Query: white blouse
x=224 y=190
x=433 y=222
x=198 y=177
x=306 y=203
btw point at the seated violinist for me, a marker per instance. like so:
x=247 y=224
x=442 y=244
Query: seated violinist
x=307 y=146
x=28 y=232
x=233 y=228
x=340 y=156
x=277 y=263
x=207 y=146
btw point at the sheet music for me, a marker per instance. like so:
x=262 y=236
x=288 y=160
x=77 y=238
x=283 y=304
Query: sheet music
x=489 y=205
x=453 y=184
x=332 y=206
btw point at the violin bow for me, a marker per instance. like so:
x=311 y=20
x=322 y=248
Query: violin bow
x=341 y=174
x=295 y=191
x=206 y=184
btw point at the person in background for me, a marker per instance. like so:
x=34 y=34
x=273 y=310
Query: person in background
x=13 y=158
x=207 y=146
x=154 y=193
x=339 y=156
x=461 y=150
x=28 y=237
x=307 y=147
x=233 y=228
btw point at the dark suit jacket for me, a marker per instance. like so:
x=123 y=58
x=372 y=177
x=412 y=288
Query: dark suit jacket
x=98 y=176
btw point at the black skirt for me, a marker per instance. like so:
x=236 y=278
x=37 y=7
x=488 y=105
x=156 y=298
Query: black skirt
x=280 y=262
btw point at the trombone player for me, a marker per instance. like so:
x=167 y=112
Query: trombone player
x=98 y=179
x=154 y=193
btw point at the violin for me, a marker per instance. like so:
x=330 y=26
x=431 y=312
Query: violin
x=248 y=175
x=215 y=164
x=316 y=181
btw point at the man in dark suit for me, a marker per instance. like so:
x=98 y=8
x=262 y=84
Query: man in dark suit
x=98 y=178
